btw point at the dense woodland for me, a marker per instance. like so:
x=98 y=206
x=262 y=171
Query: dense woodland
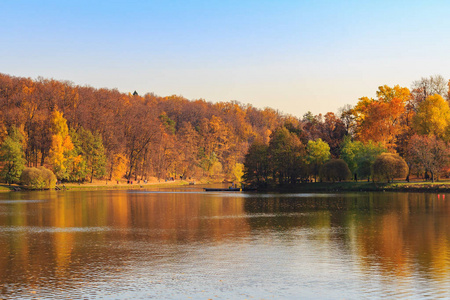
x=82 y=133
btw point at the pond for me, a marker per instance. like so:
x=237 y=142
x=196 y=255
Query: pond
x=189 y=244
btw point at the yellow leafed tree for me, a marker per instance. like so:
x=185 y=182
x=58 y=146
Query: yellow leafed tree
x=432 y=117
x=119 y=167
x=61 y=145
x=238 y=172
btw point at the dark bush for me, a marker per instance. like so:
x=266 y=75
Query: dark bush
x=389 y=166
x=335 y=170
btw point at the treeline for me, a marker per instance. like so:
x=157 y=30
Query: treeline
x=82 y=133
x=399 y=133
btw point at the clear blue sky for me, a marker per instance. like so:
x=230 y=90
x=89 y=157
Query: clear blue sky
x=294 y=56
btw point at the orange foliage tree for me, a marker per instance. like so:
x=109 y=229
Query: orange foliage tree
x=380 y=120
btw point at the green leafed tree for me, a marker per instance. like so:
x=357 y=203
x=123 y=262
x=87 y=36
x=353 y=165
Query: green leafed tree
x=360 y=156
x=207 y=162
x=256 y=165
x=89 y=147
x=286 y=157
x=318 y=153
x=12 y=157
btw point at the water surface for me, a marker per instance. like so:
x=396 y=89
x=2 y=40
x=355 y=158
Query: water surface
x=191 y=244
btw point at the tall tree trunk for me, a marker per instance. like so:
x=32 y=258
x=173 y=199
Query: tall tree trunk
x=136 y=173
x=409 y=172
x=42 y=157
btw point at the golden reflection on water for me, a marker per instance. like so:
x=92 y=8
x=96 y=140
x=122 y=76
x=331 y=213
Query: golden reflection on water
x=410 y=233
x=58 y=237
x=69 y=238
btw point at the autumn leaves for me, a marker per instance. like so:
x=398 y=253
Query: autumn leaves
x=397 y=134
x=82 y=133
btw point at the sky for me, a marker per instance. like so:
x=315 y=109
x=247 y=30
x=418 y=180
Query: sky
x=293 y=56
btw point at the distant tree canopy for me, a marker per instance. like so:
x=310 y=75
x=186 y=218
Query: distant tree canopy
x=83 y=133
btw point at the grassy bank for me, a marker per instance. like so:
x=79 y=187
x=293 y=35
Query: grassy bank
x=110 y=185
x=121 y=186
x=419 y=186
x=6 y=188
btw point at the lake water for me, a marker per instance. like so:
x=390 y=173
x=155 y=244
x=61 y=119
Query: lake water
x=190 y=244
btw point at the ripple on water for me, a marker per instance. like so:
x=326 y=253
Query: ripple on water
x=20 y=201
x=164 y=192
x=35 y=229
x=259 y=215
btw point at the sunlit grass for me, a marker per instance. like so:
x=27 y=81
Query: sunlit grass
x=5 y=188
x=113 y=186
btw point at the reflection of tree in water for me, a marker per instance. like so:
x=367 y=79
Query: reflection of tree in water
x=304 y=210
x=74 y=239
x=397 y=233
x=410 y=234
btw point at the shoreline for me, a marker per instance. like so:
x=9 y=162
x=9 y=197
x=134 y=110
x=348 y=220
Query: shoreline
x=101 y=185
x=120 y=186
x=330 y=187
x=314 y=187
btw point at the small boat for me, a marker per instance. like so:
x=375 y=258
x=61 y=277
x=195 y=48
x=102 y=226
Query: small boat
x=230 y=189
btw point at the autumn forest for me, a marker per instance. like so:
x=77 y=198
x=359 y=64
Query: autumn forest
x=81 y=133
